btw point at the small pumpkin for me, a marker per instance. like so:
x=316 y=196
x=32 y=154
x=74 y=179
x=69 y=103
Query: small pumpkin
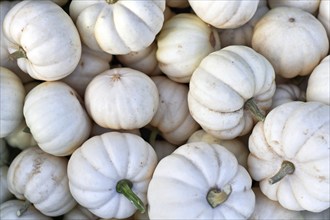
x=200 y=181
x=224 y=14
x=287 y=92
x=173 y=119
x=290 y=155
x=324 y=15
x=324 y=215
x=43 y=38
x=12 y=100
x=318 y=85
x=109 y=174
x=269 y=209
x=99 y=21
x=91 y=64
x=16 y=209
x=56 y=117
x=243 y=34
x=224 y=84
x=293 y=40
x=182 y=43
x=122 y=98
x=41 y=179
x=235 y=146
x=143 y=60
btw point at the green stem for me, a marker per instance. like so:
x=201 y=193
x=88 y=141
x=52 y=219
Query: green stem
x=124 y=187
x=20 y=53
x=111 y=1
x=254 y=109
x=25 y=207
x=286 y=168
x=216 y=197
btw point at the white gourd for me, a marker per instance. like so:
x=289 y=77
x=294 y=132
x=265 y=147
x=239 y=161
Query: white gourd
x=41 y=179
x=43 y=38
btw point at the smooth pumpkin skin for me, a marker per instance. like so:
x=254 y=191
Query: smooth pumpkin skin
x=57 y=118
x=287 y=92
x=318 y=85
x=310 y=6
x=48 y=37
x=182 y=43
x=41 y=178
x=236 y=146
x=122 y=98
x=293 y=40
x=95 y=168
x=91 y=64
x=297 y=132
x=98 y=21
x=8 y=210
x=324 y=15
x=233 y=13
x=173 y=119
x=221 y=85
x=269 y=209
x=181 y=181
x=12 y=95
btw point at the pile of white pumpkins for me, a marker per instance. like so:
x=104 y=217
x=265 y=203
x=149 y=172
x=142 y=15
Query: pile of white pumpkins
x=165 y=109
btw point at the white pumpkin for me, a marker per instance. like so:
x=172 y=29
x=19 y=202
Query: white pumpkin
x=43 y=38
x=293 y=40
x=290 y=155
x=4 y=152
x=122 y=98
x=224 y=14
x=182 y=43
x=287 y=92
x=12 y=95
x=100 y=23
x=41 y=179
x=56 y=117
x=269 y=209
x=235 y=145
x=221 y=86
x=79 y=213
x=324 y=15
x=243 y=34
x=109 y=174
x=200 y=181
x=310 y=6
x=5 y=59
x=143 y=60
x=21 y=137
x=318 y=86
x=91 y=64
x=10 y=209
x=5 y=194
x=173 y=119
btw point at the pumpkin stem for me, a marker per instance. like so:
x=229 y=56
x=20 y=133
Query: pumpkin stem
x=216 y=197
x=286 y=168
x=254 y=109
x=111 y=1
x=124 y=187
x=23 y=209
x=20 y=53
